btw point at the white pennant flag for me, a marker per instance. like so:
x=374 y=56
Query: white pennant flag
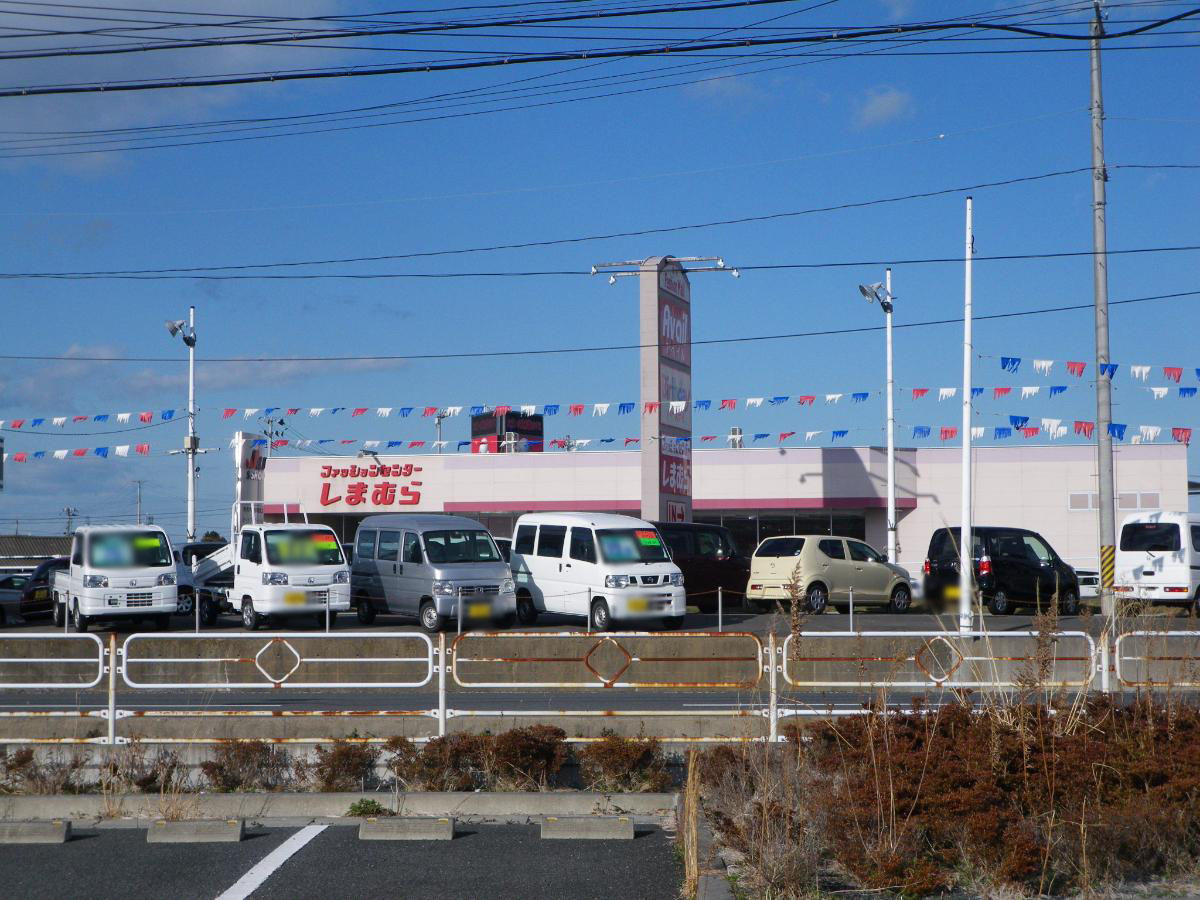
x=58 y=454
x=977 y=432
x=122 y=450
x=508 y=442
x=249 y=413
x=368 y=445
x=60 y=421
x=528 y=409
x=450 y=411
x=1043 y=366
x=583 y=442
x=1135 y=439
x=809 y=435
x=316 y=411
x=1059 y=431
x=677 y=407
x=437 y=444
x=1150 y=432
x=307 y=442
x=122 y=418
x=832 y=398
x=947 y=393
x=384 y=411
x=1050 y=425
x=752 y=402
x=1142 y=372
x=1027 y=392
x=1159 y=392
x=232 y=442
x=600 y=409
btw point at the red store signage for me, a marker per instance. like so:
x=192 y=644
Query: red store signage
x=377 y=494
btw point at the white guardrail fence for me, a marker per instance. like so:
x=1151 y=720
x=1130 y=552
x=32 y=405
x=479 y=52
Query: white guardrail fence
x=171 y=688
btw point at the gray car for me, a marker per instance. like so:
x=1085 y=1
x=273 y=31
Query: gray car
x=433 y=568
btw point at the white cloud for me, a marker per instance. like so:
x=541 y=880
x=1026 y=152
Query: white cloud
x=882 y=105
x=897 y=9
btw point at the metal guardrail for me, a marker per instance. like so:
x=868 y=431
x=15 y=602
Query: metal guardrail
x=295 y=659
x=78 y=665
x=626 y=659
x=936 y=659
x=1157 y=659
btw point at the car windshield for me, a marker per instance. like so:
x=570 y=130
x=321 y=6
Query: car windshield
x=303 y=547
x=460 y=547
x=1152 y=537
x=129 y=550
x=622 y=545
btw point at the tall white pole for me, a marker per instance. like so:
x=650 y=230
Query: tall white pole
x=892 y=547
x=190 y=455
x=966 y=567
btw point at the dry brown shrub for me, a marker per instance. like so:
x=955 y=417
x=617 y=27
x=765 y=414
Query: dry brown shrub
x=617 y=764
x=344 y=766
x=22 y=772
x=523 y=759
x=529 y=758
x=248 y=766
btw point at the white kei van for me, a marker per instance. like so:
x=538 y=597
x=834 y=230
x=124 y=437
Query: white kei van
x=609 y=568
x=1158 y=558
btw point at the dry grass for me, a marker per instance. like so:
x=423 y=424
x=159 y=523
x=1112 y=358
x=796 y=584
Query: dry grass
x=615 y=764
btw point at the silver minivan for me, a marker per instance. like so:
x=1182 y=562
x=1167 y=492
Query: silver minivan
x=424 y=566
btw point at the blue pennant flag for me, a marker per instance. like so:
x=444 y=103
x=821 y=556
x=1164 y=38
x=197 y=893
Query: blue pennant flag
x=462 y=444
x=975 y=392
x=269 y=410
x=1000 y=432
x=1109 y=369
x=1117 y=431
x=762 y=435
x=1187 y=392
x=39 y=454
x=837 y=435
x=707 y=404
x=101 y=451
x=168 y=414
x=860 y=397
x=103 y=417
x=1010 y=363
x=262 y=442
x=477 y=410
x=336 y=410
x=1198 y=373
x=1056 y=389
x=920 y=431
x=550 y=409
x=625 y=409
x=322 y=441
x=779 y=401
x=405 y=412
x=401 y=443
x=532 y=443
x=607 y=440
x=37 y=423
x=1019 y=421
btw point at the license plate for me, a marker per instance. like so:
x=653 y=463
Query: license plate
x=295 y=598
x=951 y=592
x=41 y=594
x=479 y=610
x=638 y=604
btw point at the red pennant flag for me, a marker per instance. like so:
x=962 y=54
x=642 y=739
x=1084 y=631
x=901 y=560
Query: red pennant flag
x=279 y=442
x=503 y=410
x=728 y=404
x=146 y=417
x=416 y=443
x=784 y=435
x=228 y=414
x=918 y=393
x=629 y=441
x=651 y=408
x=1173 y=372
x=429 y=411
x=806 y=400
x=1031 y=432
x=709 y=437
x=82 y=451
x=17 y=423
x=1001 y=392
x=142 y=449
x=348 y=441
x=79 y=418
x=1182 y=435
x=949 y=432
x=20 y=457
x=575 y=409
x=1076 y=368
x=558 y=442
x=358 y=411
x=1085 y=428
x=293 y=411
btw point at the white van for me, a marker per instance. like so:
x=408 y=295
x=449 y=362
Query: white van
x=289 y=569
x=609 y=568
x=1158 y=558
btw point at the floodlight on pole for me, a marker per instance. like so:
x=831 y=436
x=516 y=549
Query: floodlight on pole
x=186 y=330
x=881 y=292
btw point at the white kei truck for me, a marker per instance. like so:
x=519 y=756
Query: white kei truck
x=117 y=572
x=275 y=570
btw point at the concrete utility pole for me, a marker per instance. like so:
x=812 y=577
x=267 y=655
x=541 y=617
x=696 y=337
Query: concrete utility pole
x=139 y=482
x=70 y=513
x=1104 y=447
x=966 y=563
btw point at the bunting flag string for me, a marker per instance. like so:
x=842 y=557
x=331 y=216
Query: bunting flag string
x=78 y=453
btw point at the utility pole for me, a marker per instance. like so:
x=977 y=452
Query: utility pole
x=70 y=513
x=139 y=482
x=966 y=562
x=1104 y=446
x=437 y=421
x=272 y=431
x=893 y=546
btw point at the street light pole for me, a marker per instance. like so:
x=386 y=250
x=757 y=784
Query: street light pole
x=882 y=293
x=191 y=444
x=966 y=565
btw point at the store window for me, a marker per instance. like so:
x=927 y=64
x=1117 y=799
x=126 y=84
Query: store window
x=774 y=525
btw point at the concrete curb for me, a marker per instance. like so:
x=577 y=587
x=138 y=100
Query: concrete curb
x=139 y=810
x=407 y=829
x=587 y=828
x=196 y=831
x=54 y=832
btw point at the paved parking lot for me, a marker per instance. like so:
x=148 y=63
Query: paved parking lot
x=494 y=861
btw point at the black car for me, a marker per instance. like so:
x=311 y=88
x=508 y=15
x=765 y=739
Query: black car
x=1013 y=567
x=37 y=597
x=708 y=558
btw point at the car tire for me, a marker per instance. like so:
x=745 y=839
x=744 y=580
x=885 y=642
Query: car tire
x=58 y=614
x=183 y=604
x=816 y=598
x=1068 y=604
x=208 y=612
x=79 y=621
x=431 y=622
x=672 y=623
x=901 y=600
x=600 y=617
x=527 y=613
x=999 y=604
x=251 y=620
x=365 y=612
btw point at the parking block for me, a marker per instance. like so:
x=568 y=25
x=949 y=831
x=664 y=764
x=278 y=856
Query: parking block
x=425 y=828
x=54 y=831
x=588 y=828
x=196 y=831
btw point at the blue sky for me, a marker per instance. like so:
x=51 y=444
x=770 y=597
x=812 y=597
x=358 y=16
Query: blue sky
x=811 y=135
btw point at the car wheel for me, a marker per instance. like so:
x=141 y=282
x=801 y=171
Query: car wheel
x=527 y=613
x=183 y=605
x=999 y=604
x=816 y=598
x=250 y=619
x=365 y=612
x=601 y=620
x=208 y=612
x=78 y=619
x=1068 y=604
x=58 y=614
x=901 y=599
x=430 y=620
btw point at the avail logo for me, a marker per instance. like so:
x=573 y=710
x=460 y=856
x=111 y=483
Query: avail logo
x=254 y=464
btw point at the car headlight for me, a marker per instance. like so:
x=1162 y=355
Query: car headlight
x=342 y=577
x=443 y=589
x=617 y=581
x=507 y=586
x=274 y=578
x=676 y=580
x=166 y=579
x=94 y=581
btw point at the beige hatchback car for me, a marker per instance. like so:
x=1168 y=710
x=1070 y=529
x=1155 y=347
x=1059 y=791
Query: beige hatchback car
x=823 y=571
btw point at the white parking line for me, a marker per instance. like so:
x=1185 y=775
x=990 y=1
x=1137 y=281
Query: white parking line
x=253 y=880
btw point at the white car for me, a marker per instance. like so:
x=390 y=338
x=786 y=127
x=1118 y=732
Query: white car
x=605 y=568
x=117 y=572
x=289 y=569
x=1158 y=558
